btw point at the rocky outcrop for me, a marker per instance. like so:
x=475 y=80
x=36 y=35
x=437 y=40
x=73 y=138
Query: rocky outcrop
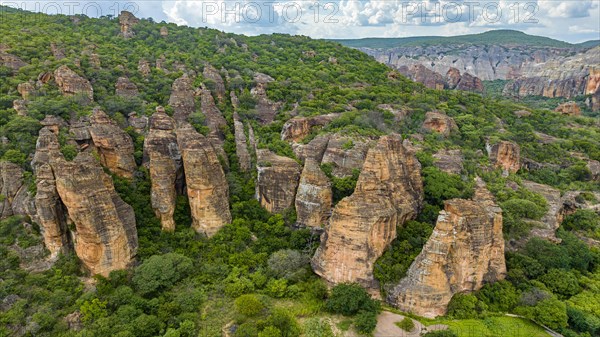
x=105 y=238
x=297 y=128
x=277 y=181
x=439 y=122
x=125 y=88
x=164 y=164
x=207 y=187
x=26 y=90
x=267 y=109
x=241 y=146
x=127 y=20
x=71 y=84
x=314 y=197
x=144 y=68
x=164 y=31
x=315 y=149
x=57 y=52
x=11 y=61
x=465 y=82
x=550 y=222
x=213 y=117
x=449 y=161
x=182 y=98
x=13 y=192
x=419 y=73
x=505 y=155
x=465 y=251
x=569 y=108
x=138 y=123
x=114 y=145
x=20 y=107
x=213 y=75
x=345 y=153
x=389 y=191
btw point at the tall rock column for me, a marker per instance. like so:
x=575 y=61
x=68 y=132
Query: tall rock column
x=241 y=146
x=505 y=155
x=277 y=181
x=182 y=98
x=388 y=192
x=207 y=186
x=314 y=196
x=465 y=250
x=164 y=161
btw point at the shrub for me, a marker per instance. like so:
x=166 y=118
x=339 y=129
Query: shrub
x=561 y=282
x=249 y=305
x=441 y=333
x=348 y=299
x=464 y=306
x=582 y=219
x=288 y=264
x=365 y=322
x=270 y=331
x=315 y=327
x=276 y=288
x=160 y=272
x=406 y=324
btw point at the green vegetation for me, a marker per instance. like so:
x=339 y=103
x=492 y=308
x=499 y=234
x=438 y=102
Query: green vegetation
x=406 y=324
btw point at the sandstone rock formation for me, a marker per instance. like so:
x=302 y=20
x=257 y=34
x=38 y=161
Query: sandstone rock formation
x=505 y=155
x=125 y=88
x=439 y=122
x=127 y=20
x=114 y=145
x=71 y=84
x=212 y=74
x=465 y=250
x=138 y=123
x=164 y=163
x=569 y=108
x=465 y=82
x=57 y=52
x=419 y=73
x=277 y=181
x=241 y=146
x=144 y=68
x=13 y=192
x=297 y=128
x=26 y=90
x=267 y=109
x=346 y=153
x=389 y=191
x=20 y=107
x=213 y=117
x=11 y=61
x=182 y=98
x=550 y=222
x=314 y=196
x=449 y=161
x=207 y=187
x=315 y=149
x=164 y=31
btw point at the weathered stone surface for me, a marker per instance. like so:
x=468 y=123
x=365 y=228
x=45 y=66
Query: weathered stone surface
x=127 y=20
x=569 y=108
x=277 y=181
x=54 y=123
x=267 y=109
x=138 y=123
x=144 y=68
x=449 y=161
x=164 y=31
x=95 y=60
x=465 y=82
x=505 y=155
x=125 y=88
x=522 y=113
x=419 y=73
x=106 y=237
x=439 y=122
x=57 y=52
x=26 y=90
x=465 y=250
x=389 y=191
x=11 y=183
x=314 y=196
x=71 y=84
x=297 y=128
x=44 y=78
x=20 y=107
x=346 y=153
x=114 y=145
x=315 y=149
x=80 y=130
x=213 y=117
x=550 y=222
x=207 y=187
x=212 y=74
x=235 y=102
x=594 y=167
x=241 y=146
x=164 y=162
x=182 y=98
x=11 y=61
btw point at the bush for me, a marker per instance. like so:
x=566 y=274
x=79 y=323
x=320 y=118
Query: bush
x=348 y=299
x=561 y=282
x=365 y=322
x=441 y=333
x=406 y=324
x=499 y=296
x=160 y=272
x=464 y=306
x=270 y=331
x=288 y=264
x=315 y=327
x=249 y=305
x=582 y=219
x=285 y=322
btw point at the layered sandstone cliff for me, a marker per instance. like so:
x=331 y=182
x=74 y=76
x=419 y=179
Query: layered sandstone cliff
x=439 y=122
x=241 y=146
x=277 y=181
x=13 y=191
x=505 y=155
x=465 y=250
x=71 y=84
x=182 y=98
x=314 y=196
x=297 y=128
x=114 y=145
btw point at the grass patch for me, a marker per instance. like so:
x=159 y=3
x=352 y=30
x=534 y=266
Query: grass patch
x=495 y=327
x=406 y=324
x=345 y=325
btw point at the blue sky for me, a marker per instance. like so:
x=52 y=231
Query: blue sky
x=572 y=21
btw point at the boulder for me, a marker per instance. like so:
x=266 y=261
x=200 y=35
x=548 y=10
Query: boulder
x=465 y=251
x=182 y=98
x=11 y=61
x=314 y=197
x=20 y=106
x=207 y=187
x=125 y=88
x=26 y=90
x=114 y=145
x=71 y=84
x=440 y=123
x=277 y=181
x=449 y=161
x=144 y=68
x=569 y=108
x=241 y=146
x=127 y=20
x=164 y=31
x=505 y=155
x=297 y=128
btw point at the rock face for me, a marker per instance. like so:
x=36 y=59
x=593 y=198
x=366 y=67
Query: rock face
x=20 y=107
x=569 y=108
x=552 y=219
x=465 y=250
x=11 y=61
x=182 y=98
x=465 y=82
x=505 y=155
x=212 y=74
x=277 y=181
x=267 y=109
x=127 y=20
x=389 y=191
x=126 y=88
x=345 y=153
x=207 y=187
x=241 y=146
x=105 y=236
x=71 y=84
x=439 y=122
x=26 y=90
x=164 y=163
x=214 y=118
x=299 y=127
x=138 y=123
x=144 y=68
x=13 y=191
x=449 y=161
x=314 y=196
x=115 y=147
x=164 y=31
x=419 y=73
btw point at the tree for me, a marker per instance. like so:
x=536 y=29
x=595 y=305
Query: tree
x=160 y=272
x=463 y=306
x=561 y=282
x=365 y=322
x=288 y=264
x=348 y=299
x=500 y=296
x=249 y=305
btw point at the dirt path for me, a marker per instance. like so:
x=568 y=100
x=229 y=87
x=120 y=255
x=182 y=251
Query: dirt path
x=386 y=326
